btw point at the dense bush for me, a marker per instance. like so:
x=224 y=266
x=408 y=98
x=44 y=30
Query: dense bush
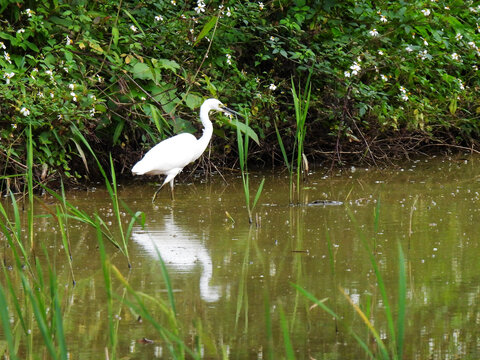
x=125 y=74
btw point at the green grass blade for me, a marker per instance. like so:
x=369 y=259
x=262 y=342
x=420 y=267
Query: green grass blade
x=5 y=320
x=373 y=331
x=66 y=243
x=241 y=151
x=287 y=342
x=60 y=334
x=168 y=283
x=259 y=192
x=312 y=298
x=206 y=29
x=402 y=296
x=108 y=288
x=39 y=317
x=363 y=345
x=282 y=147
x=30 y=186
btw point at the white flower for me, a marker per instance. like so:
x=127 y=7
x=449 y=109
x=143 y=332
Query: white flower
x=133 y=28
x=425 y=42
x=472 y=45
x=347 y=74
x=159 y=18
x=272 y=38
x=475 y=67
x=92 y=112
x=40 y=94
x=229 y=13
x=14 y=126
x=384 y=77
x=2 y=45
x=260 y=5
x=69 y=41
x=20 y=31
x=272 y=87
x=458 y=37
x=423 y=54
x=404 y=93
x=8 y=76
x=380 y=52
x=383 y=19
x=71 y=86
x=426 y=12
x=409 y=48
x=6 y=55
x=29 y=12
x=455 y=56
x=52 y=95
x=174 y=2
x=229 y=59
x=74 y=96
x=460 y=84
x=355 y=68
x=373 y=32
x=24 y=111
x=93 y=97
x=200 y=7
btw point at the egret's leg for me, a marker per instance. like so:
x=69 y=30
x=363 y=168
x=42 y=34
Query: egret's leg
x=156 y=192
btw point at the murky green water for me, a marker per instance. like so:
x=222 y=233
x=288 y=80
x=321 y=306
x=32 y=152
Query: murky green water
x=225 y=274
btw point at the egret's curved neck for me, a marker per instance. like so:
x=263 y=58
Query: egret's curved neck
x=207 y=130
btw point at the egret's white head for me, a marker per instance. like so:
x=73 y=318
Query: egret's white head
x=214 y=104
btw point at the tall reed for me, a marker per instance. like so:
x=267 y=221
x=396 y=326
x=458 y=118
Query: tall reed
x=243 y=144
x=298 y=161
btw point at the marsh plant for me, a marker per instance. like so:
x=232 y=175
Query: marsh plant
x=379 y=349
x=297 y=164
x=243 y=143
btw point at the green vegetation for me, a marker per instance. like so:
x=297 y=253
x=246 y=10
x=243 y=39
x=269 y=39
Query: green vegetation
x=379 y=349
x=243 y=143
x=384 y=77
x=96 y=83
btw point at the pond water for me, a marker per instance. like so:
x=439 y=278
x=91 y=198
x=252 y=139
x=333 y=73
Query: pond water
x=233 y=283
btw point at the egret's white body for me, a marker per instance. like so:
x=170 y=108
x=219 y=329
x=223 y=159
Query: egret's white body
x=170 y=156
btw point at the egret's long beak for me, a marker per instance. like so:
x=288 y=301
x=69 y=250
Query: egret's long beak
x=230 y=111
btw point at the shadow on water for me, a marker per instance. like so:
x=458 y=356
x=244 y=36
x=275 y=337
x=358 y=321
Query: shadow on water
x=233 y=283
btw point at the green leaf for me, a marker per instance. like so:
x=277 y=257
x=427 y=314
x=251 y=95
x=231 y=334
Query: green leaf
x=32 y=46
x=118 y=131
x=142 y=71
x=193 y=101
x=115 y=35
x=168 y=64
x=247 y=130
x=453 y=106
x=206 y=29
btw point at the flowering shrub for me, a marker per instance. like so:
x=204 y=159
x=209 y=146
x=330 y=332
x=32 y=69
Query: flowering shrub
x=125 y=74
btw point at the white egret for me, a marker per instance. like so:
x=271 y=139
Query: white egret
x=170 y=156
